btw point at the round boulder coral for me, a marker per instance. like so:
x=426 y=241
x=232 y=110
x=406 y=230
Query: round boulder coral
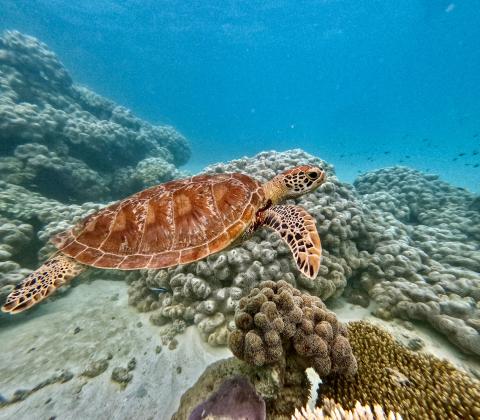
x=276 y=320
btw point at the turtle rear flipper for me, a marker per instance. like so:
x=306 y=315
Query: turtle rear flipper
x=42 y=283
x=299 y=231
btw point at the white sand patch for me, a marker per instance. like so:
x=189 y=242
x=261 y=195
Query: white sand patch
x=41 y=343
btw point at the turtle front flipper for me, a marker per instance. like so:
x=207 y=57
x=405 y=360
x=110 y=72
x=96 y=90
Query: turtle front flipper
x=299 y=231
x=41 y=283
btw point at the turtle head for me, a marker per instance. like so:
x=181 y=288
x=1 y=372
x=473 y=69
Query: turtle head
x=296 y=182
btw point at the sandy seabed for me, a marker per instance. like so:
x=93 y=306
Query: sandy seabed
x=87 y=324
x=93 y=322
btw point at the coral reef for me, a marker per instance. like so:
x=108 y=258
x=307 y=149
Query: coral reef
x=403 y=239
x=333 y=411
x=276 y=320
x=414 y=385
x=51 y=128
x=27 y=221
x=424 y=254
x=206 y=293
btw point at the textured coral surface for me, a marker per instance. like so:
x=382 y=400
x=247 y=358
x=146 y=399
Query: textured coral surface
x=67 y=142
x=404 y=241
x=276 y=320
x=423 y=240
x=417 y=386
x=207 y=293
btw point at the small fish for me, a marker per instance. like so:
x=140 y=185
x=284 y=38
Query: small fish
x=475 y=152
x=476 y=165
x=475 y=135
x=386 y=153
x=454 y=159
x=158 y=289
x=461 y=154
x=407 y=157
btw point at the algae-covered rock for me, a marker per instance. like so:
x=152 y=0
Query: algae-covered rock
x=237 y=397
x=275 y=321
x=282 y=390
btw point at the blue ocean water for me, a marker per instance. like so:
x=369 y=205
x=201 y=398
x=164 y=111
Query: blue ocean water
x=362 y=84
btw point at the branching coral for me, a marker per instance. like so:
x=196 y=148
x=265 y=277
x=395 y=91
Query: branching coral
x=333 y=411
x=276 y=320
x=417 y=386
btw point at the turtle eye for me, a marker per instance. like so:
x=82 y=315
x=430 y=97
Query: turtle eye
x=313 y=174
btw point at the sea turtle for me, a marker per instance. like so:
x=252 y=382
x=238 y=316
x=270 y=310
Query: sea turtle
x=180 y=222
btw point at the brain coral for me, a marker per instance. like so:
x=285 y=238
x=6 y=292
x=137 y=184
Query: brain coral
x=417 y=386
x=206 y=293
x=276 y=320
x=51 y=128
x=424 y=253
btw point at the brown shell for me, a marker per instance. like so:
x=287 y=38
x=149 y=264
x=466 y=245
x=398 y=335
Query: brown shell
x=166 y=225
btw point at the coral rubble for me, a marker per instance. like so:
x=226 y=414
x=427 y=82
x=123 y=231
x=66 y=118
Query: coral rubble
x=414 y=385
x=51 y=128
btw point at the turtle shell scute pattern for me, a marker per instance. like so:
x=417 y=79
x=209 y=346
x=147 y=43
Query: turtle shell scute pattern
x=166 y=225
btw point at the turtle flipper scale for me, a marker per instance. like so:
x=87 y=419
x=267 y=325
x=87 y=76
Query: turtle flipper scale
x=297 y=228
x=41 y=283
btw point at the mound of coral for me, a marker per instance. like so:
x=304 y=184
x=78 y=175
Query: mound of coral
x=52 y=129
x=206 y=293
x=400 y=238
x=280 y=333
x=276 y=320
x=418 y=386
x=423 y=241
